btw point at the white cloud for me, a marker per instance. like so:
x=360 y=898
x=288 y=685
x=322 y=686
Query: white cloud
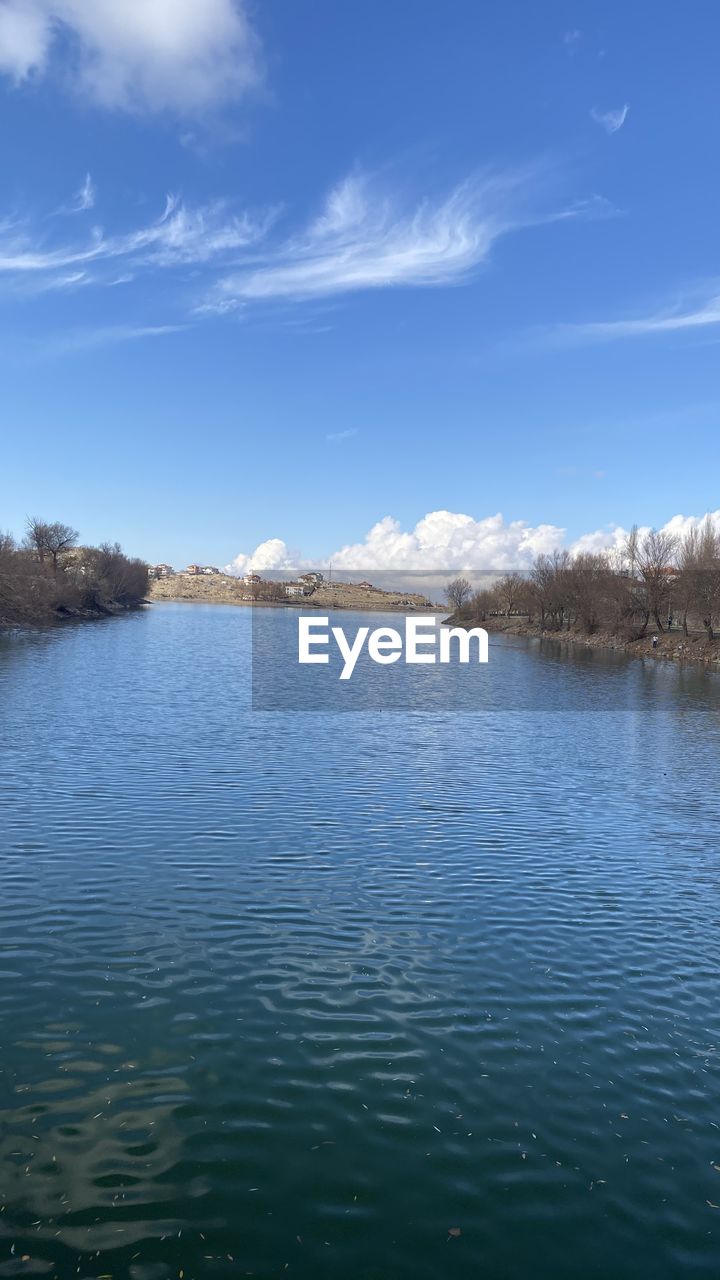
x=447 y=540
x=611 y=120
x=272 y=554
x=179 y=55
x=700 y=313
x=613 y=537
x=363 y=239
x=86 y=195
x=180 y=236
x=93 y=339
x=441 y=540
x=81 y=200
x=334 y=437
x=25 y=37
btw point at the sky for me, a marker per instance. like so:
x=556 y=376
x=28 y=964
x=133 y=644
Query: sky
x=408 y=283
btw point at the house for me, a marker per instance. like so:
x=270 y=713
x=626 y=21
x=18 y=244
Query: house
x=194 y=569
x=367 y=585
x=296 y=589
x=312 y=579
x=251 y=578
x=209 y=568
x=162 y=571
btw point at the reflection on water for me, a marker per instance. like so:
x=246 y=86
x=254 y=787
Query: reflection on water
x=306 y=992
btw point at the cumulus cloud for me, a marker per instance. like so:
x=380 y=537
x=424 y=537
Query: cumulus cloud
x=272 y=554
x=441 y=540
x=179 y=55
x=448 y=540
x=611 y=120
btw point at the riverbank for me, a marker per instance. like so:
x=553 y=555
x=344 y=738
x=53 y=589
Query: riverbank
x=65 y=615
x=220 y=588
x=672 y=646
x=48 y=579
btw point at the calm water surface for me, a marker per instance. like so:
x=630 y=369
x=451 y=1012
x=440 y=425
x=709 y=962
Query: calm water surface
x=372 y=996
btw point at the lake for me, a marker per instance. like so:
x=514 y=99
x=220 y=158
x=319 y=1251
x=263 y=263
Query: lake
x=386 y=995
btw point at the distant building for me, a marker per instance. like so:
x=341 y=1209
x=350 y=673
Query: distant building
x=313 y=579
x=209 y=568
x=296 y=589
x=160 y=571
x=367 y=585
x=251 y=578
x=194 y=569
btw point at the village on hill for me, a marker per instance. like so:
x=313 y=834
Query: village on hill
x=208 y=584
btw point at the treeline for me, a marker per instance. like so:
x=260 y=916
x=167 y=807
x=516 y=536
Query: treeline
x=654 y=578
x=268 y=589
x=49 y=576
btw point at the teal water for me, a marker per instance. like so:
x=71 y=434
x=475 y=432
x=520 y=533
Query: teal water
x=374 y=996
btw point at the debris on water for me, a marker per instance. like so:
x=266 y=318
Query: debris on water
x=454 y=1232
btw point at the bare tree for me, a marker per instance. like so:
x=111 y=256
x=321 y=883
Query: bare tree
x=656 y=559
x=509 y=590
x=50 y=541
x=588 y=581
x=546 y=587
x=36 y=588
x=36 y=537
x=700 y=575
x=686 y=586
x=483 y=603
x=458 y=592
x=651 y=575
x=631 y=551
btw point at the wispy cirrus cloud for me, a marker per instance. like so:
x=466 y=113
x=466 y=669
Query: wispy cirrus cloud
x=699 y=312
x=139 y=55
x=365 y=238
x=179 y=236
x=336 y=437
x=110 y=335
x=81 y=200
x=611 y=120
x=85 y=196
x=571 y=40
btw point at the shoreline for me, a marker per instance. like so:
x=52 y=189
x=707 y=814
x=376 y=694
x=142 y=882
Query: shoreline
x=345 y=597
x=672 y=646
x=64 y=617
x=436 y=611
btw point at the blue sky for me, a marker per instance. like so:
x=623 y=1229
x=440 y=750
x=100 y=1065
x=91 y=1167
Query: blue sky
x=283 y=272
